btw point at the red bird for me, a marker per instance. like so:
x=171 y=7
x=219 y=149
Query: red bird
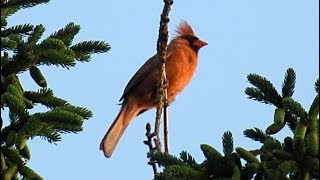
x=140 y=93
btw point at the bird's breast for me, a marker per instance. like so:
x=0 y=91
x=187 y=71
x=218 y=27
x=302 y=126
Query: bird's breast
x=179 y=72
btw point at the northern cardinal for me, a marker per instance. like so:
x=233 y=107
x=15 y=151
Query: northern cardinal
x=140 y=93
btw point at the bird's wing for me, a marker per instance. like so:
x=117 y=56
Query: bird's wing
x=148 y=67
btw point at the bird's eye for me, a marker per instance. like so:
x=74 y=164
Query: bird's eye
x=189 y=38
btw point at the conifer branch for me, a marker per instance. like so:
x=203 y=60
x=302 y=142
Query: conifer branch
x=294 y=107
x=6 y=12
x=66 y=34
x=256 y=134
x=256 y=94
x=22 y=3
x=295 y=158
x=316 y=85
x=45 y=97
x=8 y=44
x=3 y=21
x=36 y=34
x=188 y=159
x=288 y=83
x=62 y=120
x=84 y=49
x=23 y=29
x=266 y=88
x=164 y=159
x=29 y=173
x=83 y=112
x=55 y=52
x=24 y=58
x=23 y=53
x=314 y=108
x=227 y=142
x=13 y=155
x=176 y=172
x=34 y=126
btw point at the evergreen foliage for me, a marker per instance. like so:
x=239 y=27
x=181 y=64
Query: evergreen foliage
x=22 y=51
x=296 y=157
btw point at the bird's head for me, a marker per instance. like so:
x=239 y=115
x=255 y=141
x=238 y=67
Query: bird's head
x=185 y=35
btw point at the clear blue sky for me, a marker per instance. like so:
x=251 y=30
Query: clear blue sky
x=263 y=37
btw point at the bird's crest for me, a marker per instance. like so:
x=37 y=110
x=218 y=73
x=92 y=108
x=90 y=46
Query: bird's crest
x=184 y=29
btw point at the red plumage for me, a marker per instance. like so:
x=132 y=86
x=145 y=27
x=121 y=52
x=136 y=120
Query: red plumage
x=140 y=93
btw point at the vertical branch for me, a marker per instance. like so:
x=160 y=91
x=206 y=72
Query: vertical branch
x=161 y=54
x=165 y=123
x=161 y=86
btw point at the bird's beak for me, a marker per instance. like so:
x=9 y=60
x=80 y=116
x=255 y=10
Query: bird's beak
x=198 y=43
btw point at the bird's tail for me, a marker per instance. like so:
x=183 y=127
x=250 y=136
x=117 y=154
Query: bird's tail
x=119 y=125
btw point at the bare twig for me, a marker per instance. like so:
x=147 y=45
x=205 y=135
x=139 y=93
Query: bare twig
x=162 y=87
x=148 y=142
x=161 y=52
x=165 y=124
